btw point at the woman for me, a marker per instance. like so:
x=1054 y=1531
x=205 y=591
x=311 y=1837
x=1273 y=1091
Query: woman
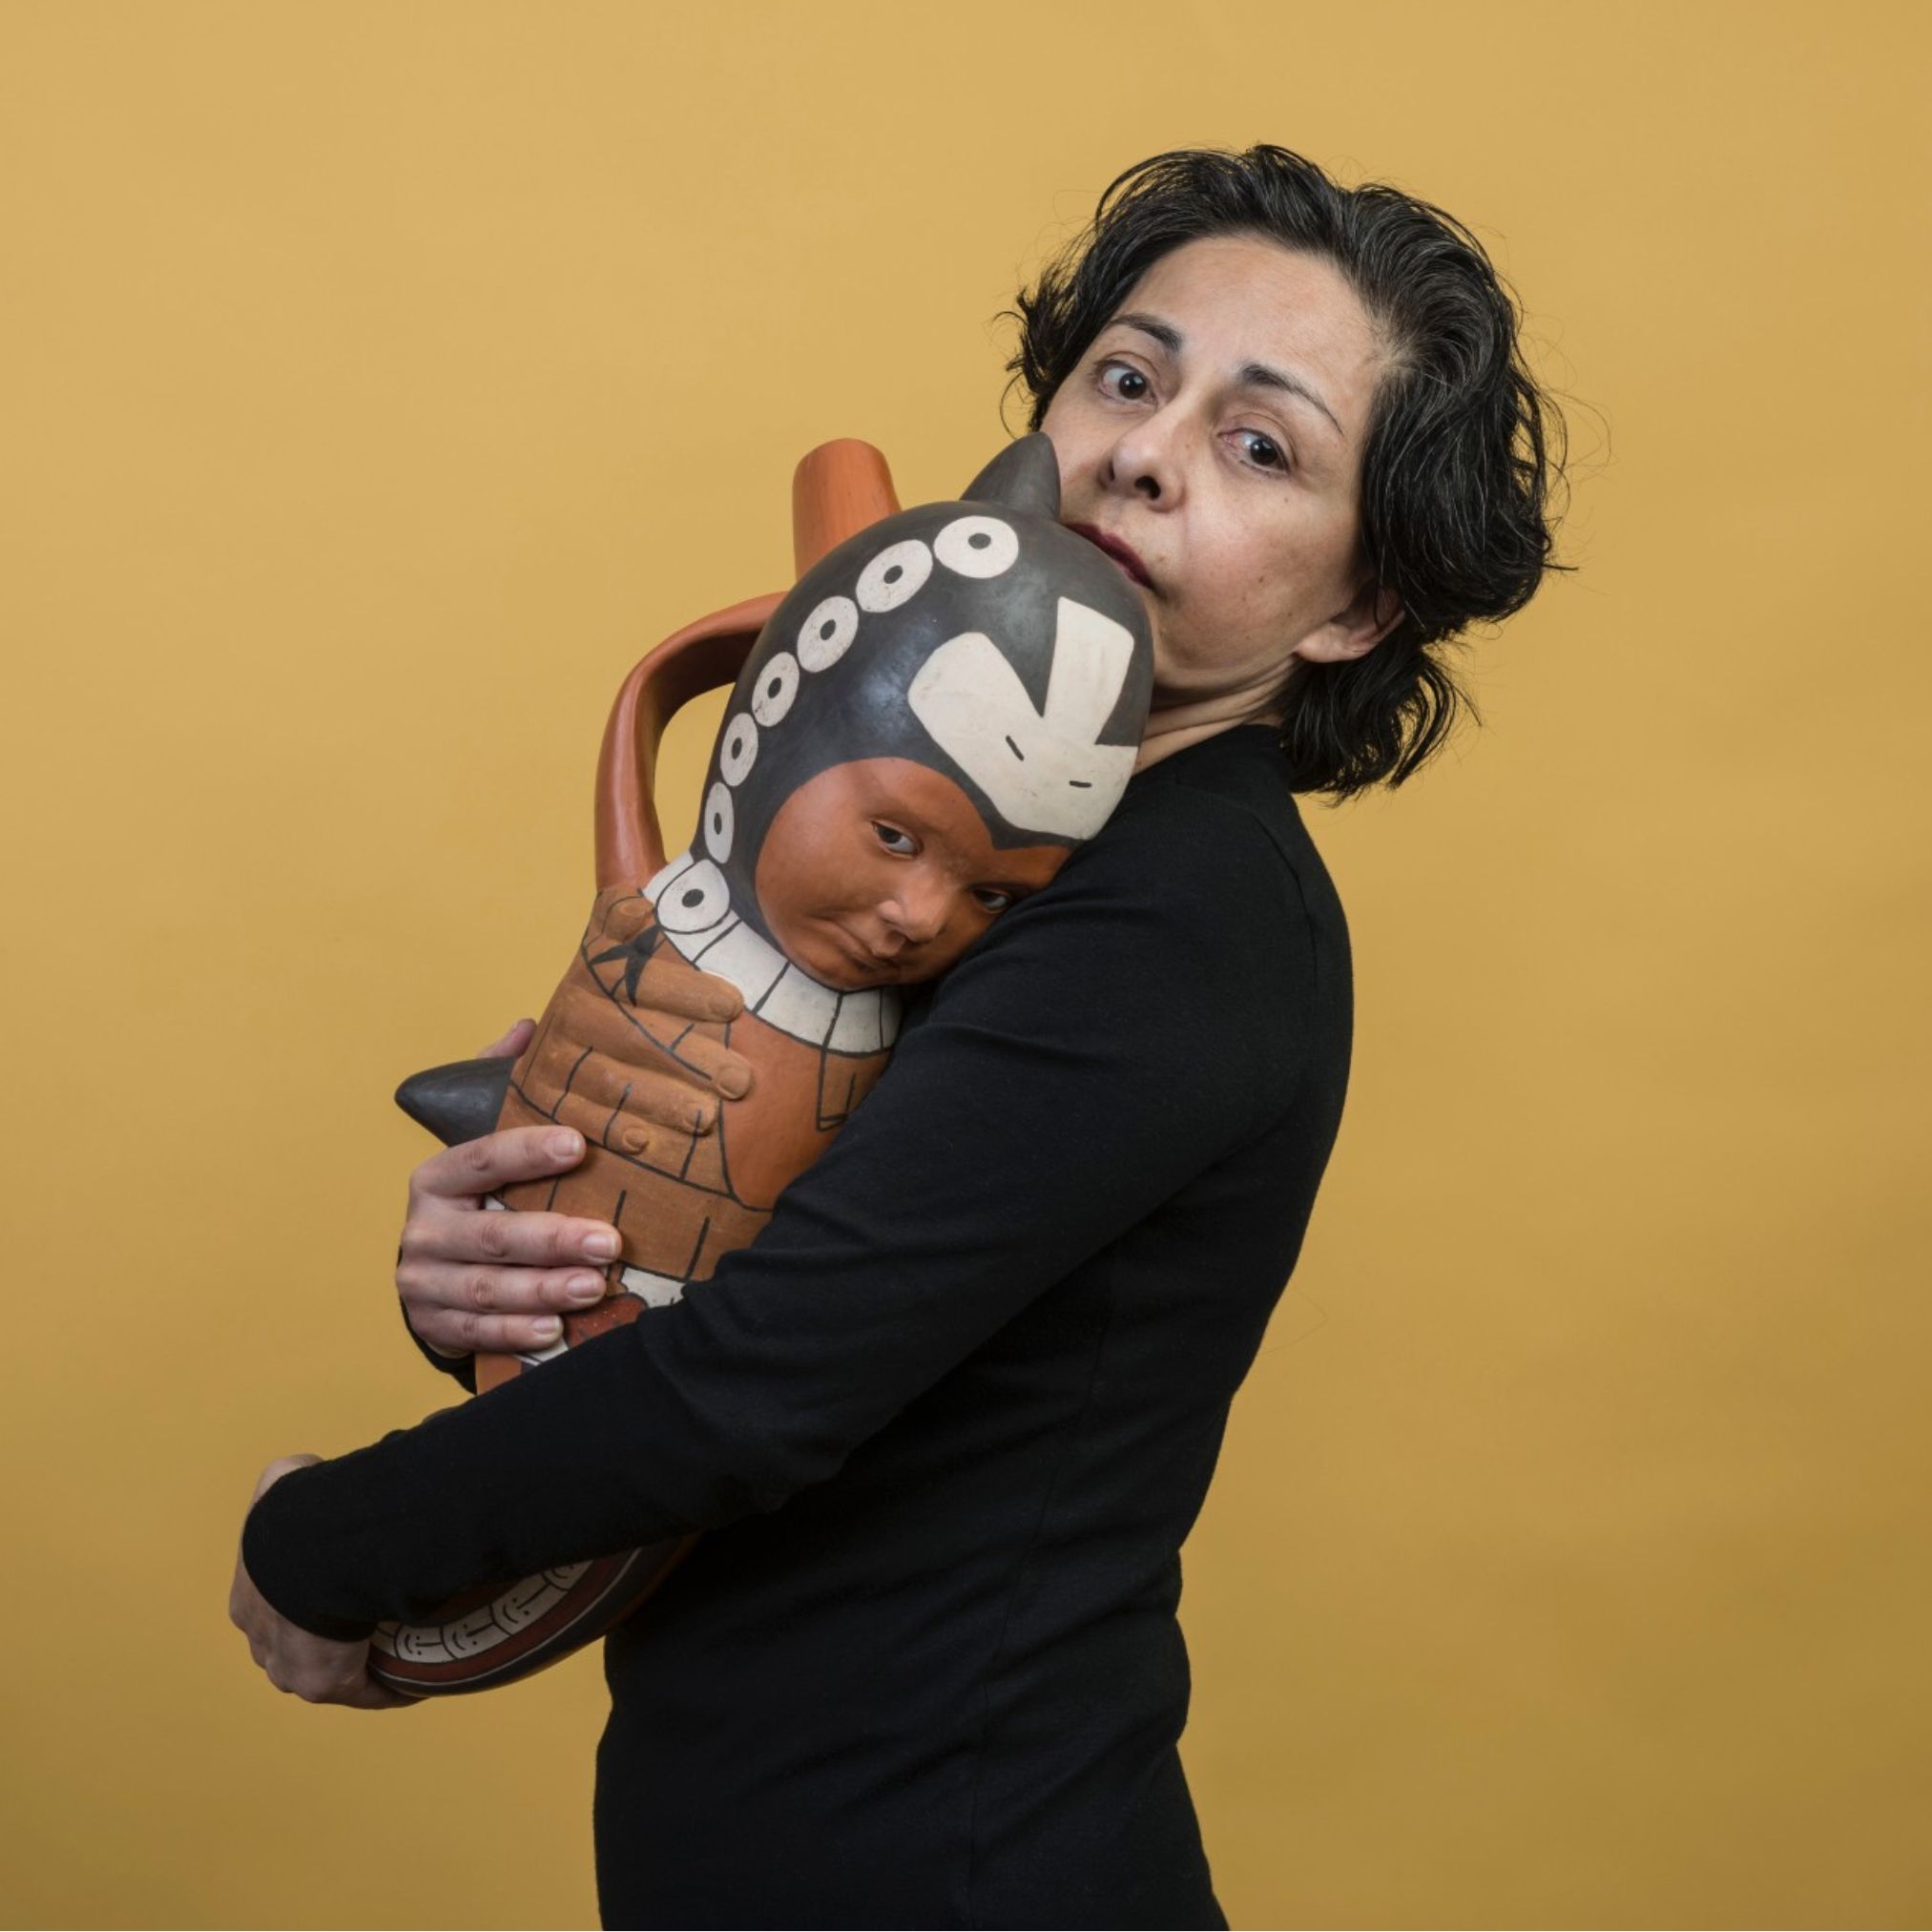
x=949 y=1420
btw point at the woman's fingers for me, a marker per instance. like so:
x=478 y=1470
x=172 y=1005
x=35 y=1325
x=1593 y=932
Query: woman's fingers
x=475 y=1167
x=473 y=1278
x=497 y=1239
x=295 y=1660
x=371 y=1696
x=466 y=1309
x=512 y=1042
x=281 y=1467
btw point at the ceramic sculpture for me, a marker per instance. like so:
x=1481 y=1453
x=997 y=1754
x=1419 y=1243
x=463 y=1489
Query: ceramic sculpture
x=946 y=702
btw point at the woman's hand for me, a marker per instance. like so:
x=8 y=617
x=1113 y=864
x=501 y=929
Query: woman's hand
x=294 y=1660
x=475 y=1282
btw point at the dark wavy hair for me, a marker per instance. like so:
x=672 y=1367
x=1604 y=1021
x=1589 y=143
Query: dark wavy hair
x=1462 y=449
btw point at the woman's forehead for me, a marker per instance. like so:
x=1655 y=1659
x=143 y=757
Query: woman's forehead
x=1238 y=303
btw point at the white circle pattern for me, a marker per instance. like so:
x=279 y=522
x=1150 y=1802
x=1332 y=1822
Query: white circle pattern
x=828 y=634
x=778 y=686
x=897 y=574
x=740 y=750
x=977 y=546
x=969 y=547
x=697 y=898
x=720 y=817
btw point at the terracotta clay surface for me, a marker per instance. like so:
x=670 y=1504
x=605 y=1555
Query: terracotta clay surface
x=679 y=1201
x=953 y=696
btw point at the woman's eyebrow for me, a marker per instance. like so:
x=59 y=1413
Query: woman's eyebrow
x=1252 y=375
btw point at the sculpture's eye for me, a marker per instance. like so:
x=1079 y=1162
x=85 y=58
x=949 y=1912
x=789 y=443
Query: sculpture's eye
x=739 y=748
x=828 y=634
x=778 y=685
x=977 y=546
x=719 y=815
x=697 y=898
x=894 y=576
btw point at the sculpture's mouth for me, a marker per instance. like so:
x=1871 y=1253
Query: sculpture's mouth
x=867 y=966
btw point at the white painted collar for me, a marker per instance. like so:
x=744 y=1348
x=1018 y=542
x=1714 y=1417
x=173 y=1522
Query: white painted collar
x=693 y=909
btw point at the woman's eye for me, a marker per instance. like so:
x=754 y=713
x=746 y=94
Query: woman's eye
x=1266 y=452
x=895 y=841
x=990 y=899
x=1132 y=386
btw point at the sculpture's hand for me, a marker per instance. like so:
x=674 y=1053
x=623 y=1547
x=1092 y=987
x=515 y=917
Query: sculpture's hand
x=294 y=1660
x=616 y=1074
x=635 y=1042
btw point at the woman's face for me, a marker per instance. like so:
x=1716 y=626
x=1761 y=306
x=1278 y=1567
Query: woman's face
x=882 y=873
x=1213 y=428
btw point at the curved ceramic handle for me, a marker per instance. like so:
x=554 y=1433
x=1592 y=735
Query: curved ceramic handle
x=838 y=490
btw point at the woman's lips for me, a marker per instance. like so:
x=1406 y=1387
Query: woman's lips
x=1122 y=553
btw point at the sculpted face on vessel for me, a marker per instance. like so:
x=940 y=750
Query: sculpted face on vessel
x=882 y=872
x=942 y=709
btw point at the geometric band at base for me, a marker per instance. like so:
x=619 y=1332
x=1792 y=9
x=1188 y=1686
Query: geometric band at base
x=497 y=1636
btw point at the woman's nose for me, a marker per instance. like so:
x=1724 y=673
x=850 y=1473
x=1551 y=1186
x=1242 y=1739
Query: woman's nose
x=1146 y=459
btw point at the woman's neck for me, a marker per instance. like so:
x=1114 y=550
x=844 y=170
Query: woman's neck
x=1173 y=727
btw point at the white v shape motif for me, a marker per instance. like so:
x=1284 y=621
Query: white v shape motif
x=1041 y=769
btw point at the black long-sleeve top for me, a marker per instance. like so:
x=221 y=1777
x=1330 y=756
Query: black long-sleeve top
x=947 y=1421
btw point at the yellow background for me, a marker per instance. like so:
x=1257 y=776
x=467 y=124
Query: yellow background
x=381 y=378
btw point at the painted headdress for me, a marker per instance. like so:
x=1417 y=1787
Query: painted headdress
x=980 y=638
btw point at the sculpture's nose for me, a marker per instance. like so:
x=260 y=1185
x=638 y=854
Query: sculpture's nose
x=915 y=913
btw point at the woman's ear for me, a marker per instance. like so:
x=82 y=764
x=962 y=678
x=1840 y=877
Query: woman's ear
x=1371 y=614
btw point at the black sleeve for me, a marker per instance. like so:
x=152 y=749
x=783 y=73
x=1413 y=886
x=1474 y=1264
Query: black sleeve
x=1109 y=1039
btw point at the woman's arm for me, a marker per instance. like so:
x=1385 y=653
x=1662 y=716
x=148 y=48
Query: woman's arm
x=1095 y=1053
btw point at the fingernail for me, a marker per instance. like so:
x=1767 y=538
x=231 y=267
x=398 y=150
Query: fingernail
x=547 y=1328
x=603 y=1244
x=734 y=1085
x=566 y=1144
x=635 y=1140
x=584 y=1287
